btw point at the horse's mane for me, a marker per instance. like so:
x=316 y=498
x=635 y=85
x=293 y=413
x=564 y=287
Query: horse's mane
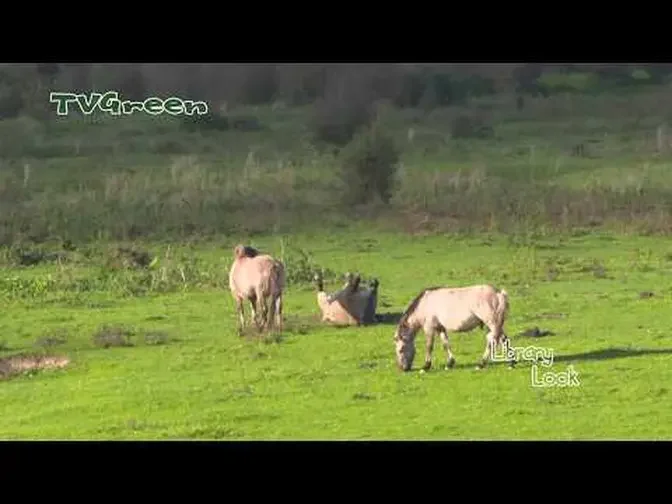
x=414 y=305
x=251 y=251
x=245 y=251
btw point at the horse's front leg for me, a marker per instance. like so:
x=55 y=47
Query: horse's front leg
x=429 y=345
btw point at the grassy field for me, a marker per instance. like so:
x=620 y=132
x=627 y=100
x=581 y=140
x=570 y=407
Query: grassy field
x=578 y=241
x=188 y=374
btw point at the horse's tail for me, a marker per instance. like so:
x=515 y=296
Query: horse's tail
x=275 y=283
x=502 y=309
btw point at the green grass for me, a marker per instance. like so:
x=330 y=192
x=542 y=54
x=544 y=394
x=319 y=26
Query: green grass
x=320 y=382
x=522 y=209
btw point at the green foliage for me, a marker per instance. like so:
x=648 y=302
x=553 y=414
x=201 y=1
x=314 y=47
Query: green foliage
x=572 y=82
x=369 y=165
x=259 y=85
x=470 y=126
x=300 y=266
x=11 y=99
x=335 y=121
x=429 y=88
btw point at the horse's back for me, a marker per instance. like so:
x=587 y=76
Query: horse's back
x=461 y=309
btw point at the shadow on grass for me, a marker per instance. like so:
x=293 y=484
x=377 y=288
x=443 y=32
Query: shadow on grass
x=439 y=368
x=607 y=353
x=292 y=324
x=612 y=353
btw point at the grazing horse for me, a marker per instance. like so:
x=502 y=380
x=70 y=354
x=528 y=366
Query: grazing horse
x=257 y=278
x=444 y=310
x=352 y=305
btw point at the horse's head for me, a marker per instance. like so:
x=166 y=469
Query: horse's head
x=404 y=346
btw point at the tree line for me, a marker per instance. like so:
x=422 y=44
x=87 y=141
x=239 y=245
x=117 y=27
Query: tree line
x=24 y=87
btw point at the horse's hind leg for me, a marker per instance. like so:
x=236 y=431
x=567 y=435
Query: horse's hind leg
x=494 y=338
x=241 y=315
x=278 y=313
x=450 y=358
x=506 y=343
x=253 y=309
x=262 y=313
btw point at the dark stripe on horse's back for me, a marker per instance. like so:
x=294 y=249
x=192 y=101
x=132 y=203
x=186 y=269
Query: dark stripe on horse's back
x=414 y=304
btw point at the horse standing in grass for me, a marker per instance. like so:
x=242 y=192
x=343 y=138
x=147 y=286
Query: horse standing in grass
x=257 y=278
x=443 y=310
x=352 y=305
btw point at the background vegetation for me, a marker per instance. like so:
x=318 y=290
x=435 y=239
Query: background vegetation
x=408 y=147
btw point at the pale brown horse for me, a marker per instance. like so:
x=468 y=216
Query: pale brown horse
x=352 y=305
x=443 y=310
x=257 y=278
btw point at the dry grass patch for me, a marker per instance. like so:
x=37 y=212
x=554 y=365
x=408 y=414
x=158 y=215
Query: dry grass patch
x=17 y=364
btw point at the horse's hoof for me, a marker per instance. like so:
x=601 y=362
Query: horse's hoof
x=450 y=364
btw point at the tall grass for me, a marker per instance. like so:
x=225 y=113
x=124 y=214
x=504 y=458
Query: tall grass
x=560 y=163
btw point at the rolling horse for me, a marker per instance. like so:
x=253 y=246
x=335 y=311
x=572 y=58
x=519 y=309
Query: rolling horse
x=352 y=305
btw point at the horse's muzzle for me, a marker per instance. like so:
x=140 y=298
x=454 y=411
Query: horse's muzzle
x=404 y=367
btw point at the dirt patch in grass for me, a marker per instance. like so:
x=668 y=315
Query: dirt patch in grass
x=17 y=364
x=113 y=336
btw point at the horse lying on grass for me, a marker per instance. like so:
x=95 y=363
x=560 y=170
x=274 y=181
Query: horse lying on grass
x=259 y=279
x=443 y=310
x=352 y=305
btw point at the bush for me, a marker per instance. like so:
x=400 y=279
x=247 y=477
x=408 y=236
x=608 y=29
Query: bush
x=411 y=90
x=11 y=96
x=369 y=164
x=570 y=82
x=260 y=85
x=468 y=126
x=336 y=122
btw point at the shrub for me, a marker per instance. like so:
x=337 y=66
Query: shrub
x=369 y=164
x=570 y=82
x=411 y=90
x=335 y=122
x=11 y=98
x=260 y=85
x=467 y=126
